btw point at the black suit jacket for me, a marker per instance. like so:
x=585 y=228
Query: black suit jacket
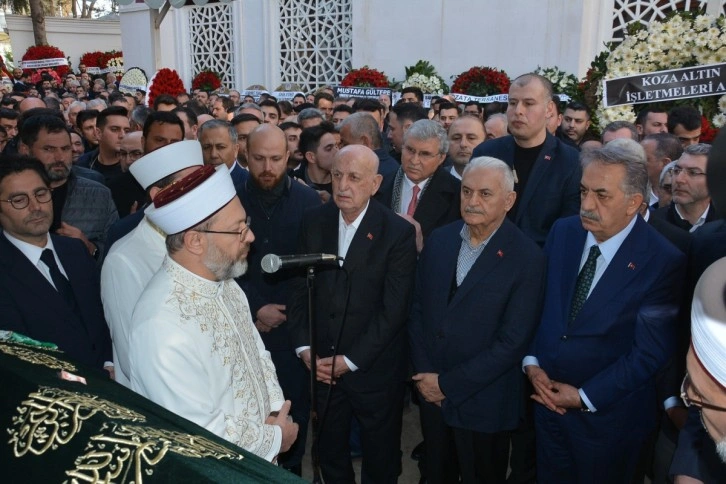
x=669 y=214
x=366 y=301
x=439 y=204
x=553 y=187
x=476 y=338
x=30 y=305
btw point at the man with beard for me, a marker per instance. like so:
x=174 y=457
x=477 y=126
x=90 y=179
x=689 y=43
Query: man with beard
x=465 y=134
x=82 y=209
x=193 y=346
x=135 y=258
x=292 y=131
x=48 y=284
x=319 y=147
x=276 y=203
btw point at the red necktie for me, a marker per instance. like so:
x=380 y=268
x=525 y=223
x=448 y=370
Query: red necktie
x=414 y=201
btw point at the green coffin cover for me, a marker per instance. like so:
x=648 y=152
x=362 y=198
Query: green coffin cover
x=58 y=430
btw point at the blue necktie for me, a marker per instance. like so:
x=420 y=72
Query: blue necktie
x=584 y=281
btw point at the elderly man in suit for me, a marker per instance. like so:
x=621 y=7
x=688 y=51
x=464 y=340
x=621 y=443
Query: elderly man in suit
x=469 y=329
x=361 y=310
x=608 y=325
x=422 y=190
x=48 y=283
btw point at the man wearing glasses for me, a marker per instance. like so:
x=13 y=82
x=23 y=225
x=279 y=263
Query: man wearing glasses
x=48 y=283
x=193 y=346
x=422 y=191
x=691 y=206
x=704 y=387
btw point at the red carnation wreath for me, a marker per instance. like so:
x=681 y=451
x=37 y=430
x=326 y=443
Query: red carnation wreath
x=41 y=52
x=165 y=81
x=207 y=81
x=365 y=77
x=482 y=81
x=94 y=59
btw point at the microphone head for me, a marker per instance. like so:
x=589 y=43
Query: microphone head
x=271 y=263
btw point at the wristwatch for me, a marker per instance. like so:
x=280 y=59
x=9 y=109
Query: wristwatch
x=583 y=407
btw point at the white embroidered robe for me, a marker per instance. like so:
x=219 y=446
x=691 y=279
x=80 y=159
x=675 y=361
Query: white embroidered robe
x=195 y=351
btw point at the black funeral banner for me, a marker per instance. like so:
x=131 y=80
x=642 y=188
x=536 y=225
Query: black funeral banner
x=686 y=83
x=65 y=422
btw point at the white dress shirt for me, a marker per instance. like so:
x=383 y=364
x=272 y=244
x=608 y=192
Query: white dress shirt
x=33 y=253
x=407 y=193
x=346 y=232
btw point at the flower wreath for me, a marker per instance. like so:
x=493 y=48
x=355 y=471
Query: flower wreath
x=165 y=81
x=682 y=39
x=207 y=81
x=40 y=52
x=481 y=81
x=365 y=77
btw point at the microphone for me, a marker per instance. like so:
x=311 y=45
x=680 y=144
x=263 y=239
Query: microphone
x=273 y=263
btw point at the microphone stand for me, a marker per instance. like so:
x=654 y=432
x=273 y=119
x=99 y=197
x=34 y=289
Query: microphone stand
x=315 y=456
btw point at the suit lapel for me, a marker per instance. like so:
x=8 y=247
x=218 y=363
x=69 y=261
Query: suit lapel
x=492 y=255
x=29 y=277
x=364 y=238
x=540 y=168
x=629 y=260
x=432 y=205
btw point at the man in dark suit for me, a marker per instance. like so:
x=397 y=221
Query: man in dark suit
x=422 y=189
x=469 y=329
x=608 y=325
x=49 y=287
x=276 y=204
x=362 y=129
x=547 y=172
x=691 y=206
x=219 y=146
x=361 y=309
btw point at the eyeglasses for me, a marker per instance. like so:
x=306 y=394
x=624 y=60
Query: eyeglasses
x=133 y=155
x=700 y=404
x=424 y=155
x=690 y=172
x=240 y=234
x=20 y=201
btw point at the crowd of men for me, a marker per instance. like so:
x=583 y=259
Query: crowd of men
x=529 y=285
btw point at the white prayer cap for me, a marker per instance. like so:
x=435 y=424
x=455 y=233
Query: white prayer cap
x=165 y=161
x=708 y=321
x=192 y=199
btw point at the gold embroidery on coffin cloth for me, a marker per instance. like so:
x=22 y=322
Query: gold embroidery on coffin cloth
x=108 y=455
x=51 y=417
x=25 y=353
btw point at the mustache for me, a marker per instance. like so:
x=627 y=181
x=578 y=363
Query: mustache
x=589 y=215
x=473 y=210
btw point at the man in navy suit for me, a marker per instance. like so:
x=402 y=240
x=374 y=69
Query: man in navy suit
x=608 y=325
x=48 y=284
x=546 y=170
x=547 y=182
x=469 y=329
x=361 y=311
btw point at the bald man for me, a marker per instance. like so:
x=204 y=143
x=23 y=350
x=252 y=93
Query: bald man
x=276 y=205
x=362 y=305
